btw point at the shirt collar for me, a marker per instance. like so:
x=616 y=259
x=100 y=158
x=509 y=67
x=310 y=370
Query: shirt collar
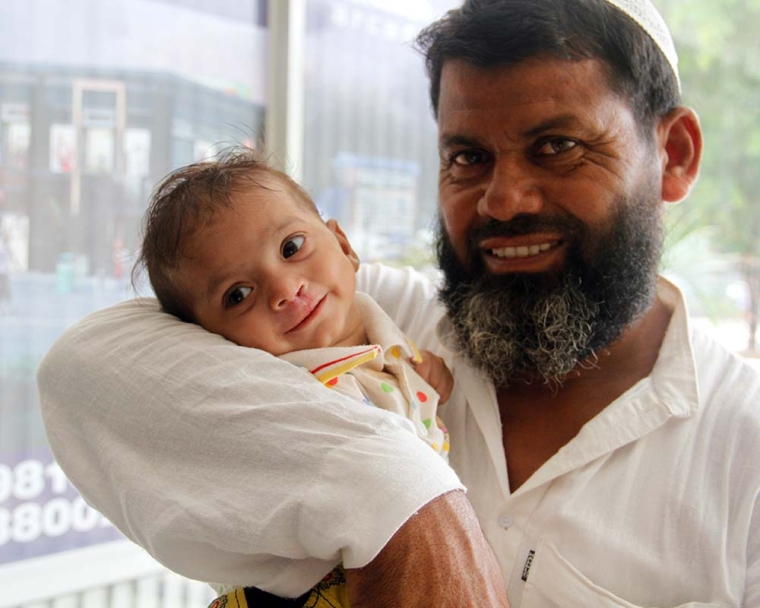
x=674 y=376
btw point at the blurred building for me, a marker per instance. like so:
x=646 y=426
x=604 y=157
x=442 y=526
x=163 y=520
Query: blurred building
x=99 y=100
x=81 y=149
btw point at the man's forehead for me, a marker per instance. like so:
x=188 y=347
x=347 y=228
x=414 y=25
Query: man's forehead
x=539 y=68
x=528 y=100
x=465 y=86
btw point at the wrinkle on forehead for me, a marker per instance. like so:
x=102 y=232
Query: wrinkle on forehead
x=527 y=99
x=542 y=79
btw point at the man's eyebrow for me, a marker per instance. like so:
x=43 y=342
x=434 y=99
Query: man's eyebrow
x=562 y=121
x=447 y=141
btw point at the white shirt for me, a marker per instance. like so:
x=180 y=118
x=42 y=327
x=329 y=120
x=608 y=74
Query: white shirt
x=225 y=463
x=173 y=437
x=654 y=503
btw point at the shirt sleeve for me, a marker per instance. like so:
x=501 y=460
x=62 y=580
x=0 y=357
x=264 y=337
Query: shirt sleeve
x=225 y=463
x=408 y=297
x=752 y=584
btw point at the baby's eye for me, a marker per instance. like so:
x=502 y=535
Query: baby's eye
x=291 y=245
x=237 y=295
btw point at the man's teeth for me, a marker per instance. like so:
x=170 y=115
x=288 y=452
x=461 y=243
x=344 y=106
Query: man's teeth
x=521 y=252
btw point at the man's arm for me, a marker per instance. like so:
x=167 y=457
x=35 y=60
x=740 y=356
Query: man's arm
x=438 y=558
x=191 y=446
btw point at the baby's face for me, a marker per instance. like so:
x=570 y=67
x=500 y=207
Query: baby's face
x=270 y=274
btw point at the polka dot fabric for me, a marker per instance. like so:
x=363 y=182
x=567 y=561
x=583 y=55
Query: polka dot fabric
x=381 y=373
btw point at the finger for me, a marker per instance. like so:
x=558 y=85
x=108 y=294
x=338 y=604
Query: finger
x=445 y=387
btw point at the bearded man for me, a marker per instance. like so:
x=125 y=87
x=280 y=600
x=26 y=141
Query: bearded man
x=607 y=448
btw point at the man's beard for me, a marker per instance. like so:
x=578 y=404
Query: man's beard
x=541 y=326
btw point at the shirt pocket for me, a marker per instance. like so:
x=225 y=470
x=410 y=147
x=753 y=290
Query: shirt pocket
x=553 y=583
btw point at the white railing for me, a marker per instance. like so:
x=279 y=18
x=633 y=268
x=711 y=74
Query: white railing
x=113 y=575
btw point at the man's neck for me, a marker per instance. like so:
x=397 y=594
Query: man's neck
x=538 y=420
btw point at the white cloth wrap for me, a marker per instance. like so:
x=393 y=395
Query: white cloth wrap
x=191 y=446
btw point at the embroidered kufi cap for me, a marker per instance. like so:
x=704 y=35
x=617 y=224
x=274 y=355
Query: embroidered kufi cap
x=649 y=19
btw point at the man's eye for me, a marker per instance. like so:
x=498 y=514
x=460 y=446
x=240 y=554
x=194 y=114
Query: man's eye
x=237 y=295
x=292 y=245
x=467 y=158
x=555 y=146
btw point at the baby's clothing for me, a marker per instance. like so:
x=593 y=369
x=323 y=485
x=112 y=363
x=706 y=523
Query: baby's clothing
x=378 y=374
x=330 y=592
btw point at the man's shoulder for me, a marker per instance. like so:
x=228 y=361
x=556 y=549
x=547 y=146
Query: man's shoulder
x=407 y=296
x=729 y=387
x=714 y=359
x=375 y=276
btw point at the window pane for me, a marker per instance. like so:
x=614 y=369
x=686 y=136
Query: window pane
x=99 y=99
x=370 y=139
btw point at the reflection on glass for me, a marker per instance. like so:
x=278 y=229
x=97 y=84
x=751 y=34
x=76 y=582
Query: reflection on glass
x=96 y=106
x=370 y=139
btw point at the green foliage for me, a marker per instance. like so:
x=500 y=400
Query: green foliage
x=692 y=262
x=719 y=50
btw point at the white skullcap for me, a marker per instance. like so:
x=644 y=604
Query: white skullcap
x=645 y=14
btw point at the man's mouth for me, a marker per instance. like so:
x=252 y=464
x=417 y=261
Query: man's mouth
x=522 y=251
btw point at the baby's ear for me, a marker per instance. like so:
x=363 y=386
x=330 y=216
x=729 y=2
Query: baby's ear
x=345 y=245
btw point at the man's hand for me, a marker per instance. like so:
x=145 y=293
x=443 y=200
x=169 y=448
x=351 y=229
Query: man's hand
x=433 y=370
x=439 y=557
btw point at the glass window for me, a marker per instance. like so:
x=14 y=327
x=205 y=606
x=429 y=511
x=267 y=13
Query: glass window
x=370 y=141
x=98 y=101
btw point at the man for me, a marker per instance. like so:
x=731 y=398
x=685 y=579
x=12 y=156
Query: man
x=608 y=450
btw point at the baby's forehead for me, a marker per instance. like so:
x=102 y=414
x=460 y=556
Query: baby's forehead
x=287 y=195
x=266 y=205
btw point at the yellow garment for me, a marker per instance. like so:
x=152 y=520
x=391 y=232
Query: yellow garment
x=330 y=592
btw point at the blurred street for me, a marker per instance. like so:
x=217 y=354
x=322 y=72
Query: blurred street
x=42 y=307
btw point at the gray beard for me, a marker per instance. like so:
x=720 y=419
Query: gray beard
x=541 y=327
x=509 y=340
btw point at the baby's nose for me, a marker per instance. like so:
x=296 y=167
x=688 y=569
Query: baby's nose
x=284 y=290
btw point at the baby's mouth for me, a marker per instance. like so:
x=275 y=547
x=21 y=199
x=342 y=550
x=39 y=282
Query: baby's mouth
x=306 y=315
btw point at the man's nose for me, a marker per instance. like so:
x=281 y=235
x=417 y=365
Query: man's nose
x=513 y=189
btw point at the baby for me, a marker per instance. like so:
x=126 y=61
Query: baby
x=240 y=249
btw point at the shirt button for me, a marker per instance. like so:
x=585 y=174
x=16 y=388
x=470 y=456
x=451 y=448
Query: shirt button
x=505 y=520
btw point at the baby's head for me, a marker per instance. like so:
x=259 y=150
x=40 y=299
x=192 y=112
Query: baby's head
x=240 y=249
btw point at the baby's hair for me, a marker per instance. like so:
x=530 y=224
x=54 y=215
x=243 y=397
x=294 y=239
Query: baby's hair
x=192 y=197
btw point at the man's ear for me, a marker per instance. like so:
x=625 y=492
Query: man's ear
x=345 y=245
x=680 y=143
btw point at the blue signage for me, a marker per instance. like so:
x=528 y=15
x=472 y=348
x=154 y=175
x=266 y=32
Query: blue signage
x=40 y=511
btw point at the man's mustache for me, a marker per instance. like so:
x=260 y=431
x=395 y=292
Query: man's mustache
x=521 y=225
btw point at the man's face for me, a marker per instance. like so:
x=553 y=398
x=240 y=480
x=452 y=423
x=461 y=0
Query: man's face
x=270 y=274
x=550 y=211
